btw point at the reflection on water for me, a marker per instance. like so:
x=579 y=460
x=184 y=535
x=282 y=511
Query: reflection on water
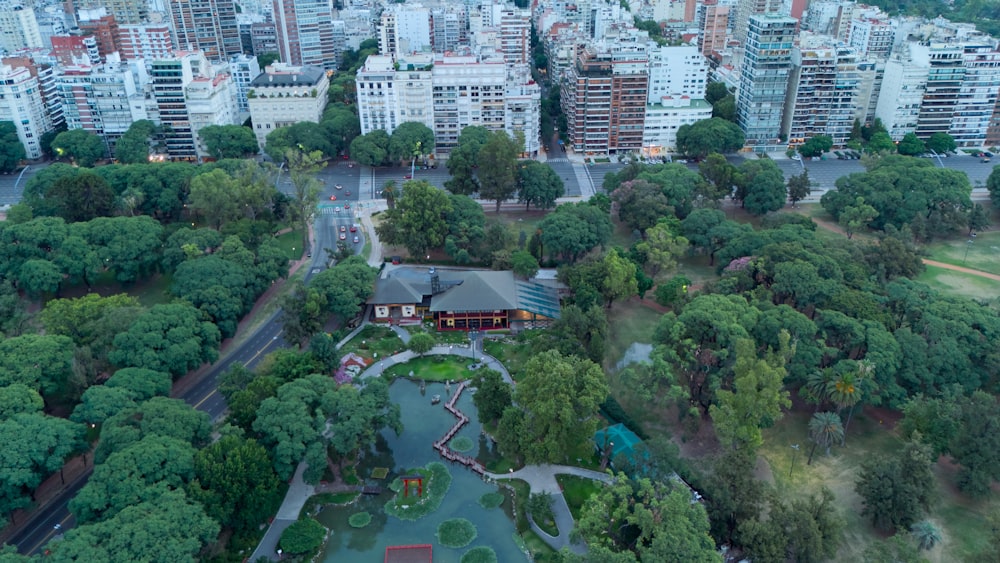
x=423 y=423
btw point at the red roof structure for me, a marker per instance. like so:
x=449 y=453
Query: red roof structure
x=423 y=553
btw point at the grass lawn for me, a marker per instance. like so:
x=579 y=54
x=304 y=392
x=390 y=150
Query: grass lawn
x=291 y=244
x=154 y=290
x=962 y=520
x=374 y=340
x=632 y=322
x=695 y=268
x=983 y=254
x=518 y=221
x=433 y=368
x=441 y=336
x=577 y=490
x=960 y=283
x=513 y=355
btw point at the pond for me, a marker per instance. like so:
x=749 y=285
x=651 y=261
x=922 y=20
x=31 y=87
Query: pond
x=423 y=423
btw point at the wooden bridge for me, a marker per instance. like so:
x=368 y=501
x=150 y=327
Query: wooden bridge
x=442 y=445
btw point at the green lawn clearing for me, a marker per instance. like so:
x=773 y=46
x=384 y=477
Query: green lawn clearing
x=983 y=254
x=434 y=368
x=513 y=354
x=291 y=244
x=576 y=491
x=960 y=283
x=374 y=340
x=633 y=322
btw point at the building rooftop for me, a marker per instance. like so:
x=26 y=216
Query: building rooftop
x=303 y=76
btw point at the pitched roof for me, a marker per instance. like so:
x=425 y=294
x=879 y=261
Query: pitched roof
x=394 y=290
x=478 y=291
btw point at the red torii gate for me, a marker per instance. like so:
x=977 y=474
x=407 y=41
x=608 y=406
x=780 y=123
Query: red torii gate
x=407 y=479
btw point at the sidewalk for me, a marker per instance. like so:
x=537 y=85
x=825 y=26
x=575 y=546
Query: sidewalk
x=542 y=479
x=298 y=493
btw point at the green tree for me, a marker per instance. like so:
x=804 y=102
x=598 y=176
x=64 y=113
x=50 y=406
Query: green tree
x=725 y=109
x=39 y=277
x=228 y=141
x=761 y=186
x=172 y=338
x=464 y=160
x=720 y=178
x=926 y=534
x=235 y=483
x=524 y=264
x=418 y=220
x=35 y=446
x=389 y=193
x=133 y=146
x=825 y=428
x=662 y=248
x=854 y=217
x=130 y=246
x=346 y=286
x=709 y=135
x=941 y=143
x=492 y=397
x=539 y=185
x=18 y=398
x=410 y=140
x=619 y=281
x=42 y=362
x=975 y=445
x=303 y=311
x=140 y=472
x=880 y=142
x=11 y=149
x=979 y=218
x=142 y=384
x=304 y=136
x=715 y=91
x=84 y=147
x=816 y=146
x=806 y=530
x=371 y=149
x=897 y=490
x=498 y=167
x=100 y=402
x=757 y=397
x=911 y=145
x=303 y=536
x=302 y=168
x=799 y=187
x=421 y=343
x=81 y=197
x=649 y=520
x=217 y=287
x=212 y=197
x=560 y=397
x=173 y=528
x=641 y=204
x=574 y=229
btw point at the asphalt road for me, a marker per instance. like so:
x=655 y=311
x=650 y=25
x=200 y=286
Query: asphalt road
x=205 y=396
x=12 y=185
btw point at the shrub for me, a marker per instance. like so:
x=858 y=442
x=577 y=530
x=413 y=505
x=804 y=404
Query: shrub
x=303 y=536
x=462 y=444
x=491 y=500
x=481 y=554
x=615 y=413
x=457 y=532
x=360 y=520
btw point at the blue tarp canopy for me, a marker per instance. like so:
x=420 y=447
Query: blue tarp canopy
x=620 y=439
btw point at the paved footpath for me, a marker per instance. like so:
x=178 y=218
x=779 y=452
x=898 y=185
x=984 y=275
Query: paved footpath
x=542 y=479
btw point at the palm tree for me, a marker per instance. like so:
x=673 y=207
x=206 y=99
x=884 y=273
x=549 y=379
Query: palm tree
x=927 y=534
x=817 y=386
x=824 y=429
x=389 y=193
x=847 y=389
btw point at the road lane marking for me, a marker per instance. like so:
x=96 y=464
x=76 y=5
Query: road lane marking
x=49 y=535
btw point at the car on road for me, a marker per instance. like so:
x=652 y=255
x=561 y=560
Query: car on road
x=408 y=177
x=333 y=198
x=985 y=159
x=348 y=192
x=343 y=229
x=354 y=228
x=343 y=236
x=339 y=187
x=336 y=209
x=356 y=239
x=347 y=206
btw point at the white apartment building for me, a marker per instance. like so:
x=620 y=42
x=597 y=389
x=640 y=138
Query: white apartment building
x=21 y=103
x=147 y=42
x=872 y=38
x=823 y=90
x=18 y=28
x=977 y=95
x=675 y=96
x=284 y=95
x=448 y=93
x=404 y=29
x=767 y=64
x=244 y=69
x=901 y=93
x=211 y=100
x=100 y=100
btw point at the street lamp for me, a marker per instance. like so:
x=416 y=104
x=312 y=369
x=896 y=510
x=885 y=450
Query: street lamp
x=972 y=238
x=473 y=334
x=795 y=450
x=413 y=163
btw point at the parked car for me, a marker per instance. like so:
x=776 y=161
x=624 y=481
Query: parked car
x=354 y=228
x=356 y=239
x=343 y=236
x=985 y=159
x=343 y=229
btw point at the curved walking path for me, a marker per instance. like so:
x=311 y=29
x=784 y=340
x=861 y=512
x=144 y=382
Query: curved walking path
x=542 y=479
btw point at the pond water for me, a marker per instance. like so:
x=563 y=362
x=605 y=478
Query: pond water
x=423 y=423
x=637 y=353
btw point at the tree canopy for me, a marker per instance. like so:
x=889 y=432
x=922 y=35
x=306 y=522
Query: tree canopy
x=418 y=219
x=228 y=141
x=709 y=135
x=11 y=149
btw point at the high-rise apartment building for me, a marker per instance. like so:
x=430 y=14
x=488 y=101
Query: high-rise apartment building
x=244 y=69
x=126 y=12
x=901 y=93
x=18 y=28
x=190 y=94
x=823 y=90
x=448 y=26
x=284 y=95
x=767 y=63
x=21 y=103
x=604 y=99
x=145 y=41
x=208 y=26
x=100 y=100
x=70 y=50
x=515 y=34
x=978 y=93
x=404 y=29
x=210 y=100
x=103 y=26
x=264 y=38
x=447 y=93
x=676 y=96
x=304 y=33
x=872 y=38
x=714 y=28
x=745 y=9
